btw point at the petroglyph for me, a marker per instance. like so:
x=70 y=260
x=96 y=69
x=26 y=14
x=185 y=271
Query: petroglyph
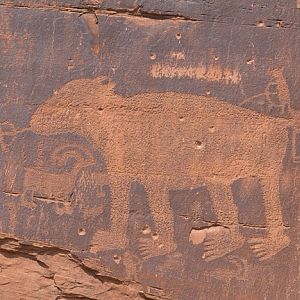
x=276 y=95
x=60 y=170
x=214 y=238
x=154 y=139
x=212 y=72
x=46 y=185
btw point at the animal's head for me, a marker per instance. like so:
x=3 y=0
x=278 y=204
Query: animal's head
x=78 y=101
x=79 y=106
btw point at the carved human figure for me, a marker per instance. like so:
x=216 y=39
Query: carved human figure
x=171 y=140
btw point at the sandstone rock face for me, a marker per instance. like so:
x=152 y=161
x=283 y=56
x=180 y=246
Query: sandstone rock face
x=149 y=149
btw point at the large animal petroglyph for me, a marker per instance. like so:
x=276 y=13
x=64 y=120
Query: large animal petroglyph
x=170 y=140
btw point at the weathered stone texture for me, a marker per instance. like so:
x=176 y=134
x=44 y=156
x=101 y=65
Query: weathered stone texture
x=149 y=149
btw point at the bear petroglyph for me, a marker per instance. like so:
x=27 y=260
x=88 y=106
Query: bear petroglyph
x=171 y=140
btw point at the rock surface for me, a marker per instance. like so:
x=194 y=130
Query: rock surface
x=149 y=149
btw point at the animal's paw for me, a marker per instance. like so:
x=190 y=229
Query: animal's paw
x=221 y=241
x=266 y=247
x=149 y=247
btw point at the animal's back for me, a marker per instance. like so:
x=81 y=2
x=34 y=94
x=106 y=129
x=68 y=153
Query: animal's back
x=166 y=133
x=172 y=134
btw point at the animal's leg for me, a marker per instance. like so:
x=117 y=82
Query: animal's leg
x=161 y=240
x=276 y=240
x=223 y=239
x=115 y=236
